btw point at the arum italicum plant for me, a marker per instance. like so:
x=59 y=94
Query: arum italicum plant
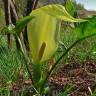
x=43 y=34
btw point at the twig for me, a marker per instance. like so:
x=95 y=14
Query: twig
x=13 y=9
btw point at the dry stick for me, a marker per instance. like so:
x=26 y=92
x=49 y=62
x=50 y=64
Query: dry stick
x=23 y=46
x=10 y=22
x=7 y=11
x=35 y=4
x=7 y=18
x=13 y=9
x=13 y=2
x=16 y=17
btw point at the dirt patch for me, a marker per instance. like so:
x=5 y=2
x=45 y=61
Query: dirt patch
x=83 y=76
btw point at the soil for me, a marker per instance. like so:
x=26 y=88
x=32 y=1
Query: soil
x=82 y=76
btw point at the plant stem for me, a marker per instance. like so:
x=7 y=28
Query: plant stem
x=37 y=73
x=27 y=67
x=30 y=76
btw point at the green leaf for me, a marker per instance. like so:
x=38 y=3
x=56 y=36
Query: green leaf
x=22 y=23
x=16 y=29
x=86 y=29
x=43 y=30
x=70 y=7
x=8 y=30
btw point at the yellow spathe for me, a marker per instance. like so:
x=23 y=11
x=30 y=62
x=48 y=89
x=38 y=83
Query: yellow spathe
x=43 y=30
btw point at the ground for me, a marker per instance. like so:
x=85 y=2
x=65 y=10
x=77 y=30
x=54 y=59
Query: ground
x=83 y=76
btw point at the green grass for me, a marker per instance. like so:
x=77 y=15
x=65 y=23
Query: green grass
x=10 y=63
x=83 y=51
